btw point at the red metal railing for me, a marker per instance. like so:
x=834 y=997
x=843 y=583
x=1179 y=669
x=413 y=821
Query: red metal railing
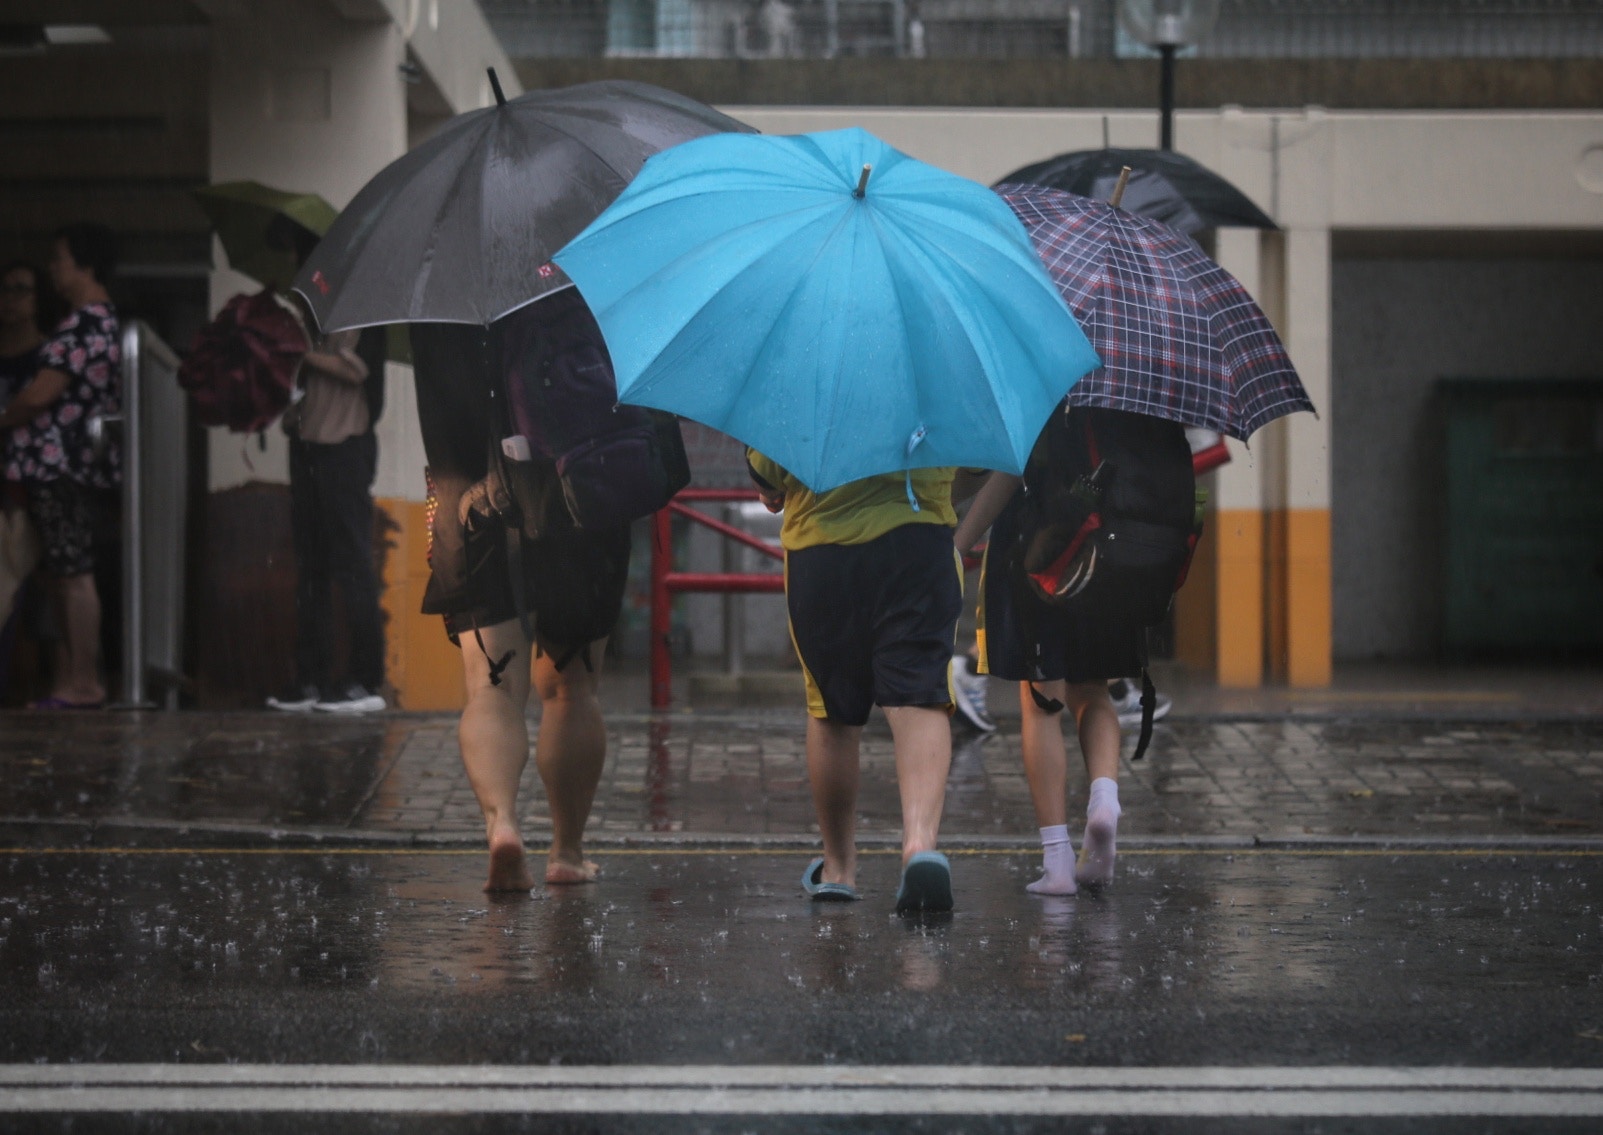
x=665 y=581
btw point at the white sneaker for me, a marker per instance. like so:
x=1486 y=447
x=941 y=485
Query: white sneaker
x=970 y=691
x=300 y=699
x=1126 y=695
x=355 y=699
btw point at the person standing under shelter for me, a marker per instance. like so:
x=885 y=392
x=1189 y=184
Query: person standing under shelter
x=333 y=455
x=49 y=452
x=874 y=592
x=521 y=610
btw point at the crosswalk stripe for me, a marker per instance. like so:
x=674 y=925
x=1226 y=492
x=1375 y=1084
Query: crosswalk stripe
x=1316 y=1091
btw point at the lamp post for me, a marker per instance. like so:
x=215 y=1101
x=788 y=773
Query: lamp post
x=1167 y=26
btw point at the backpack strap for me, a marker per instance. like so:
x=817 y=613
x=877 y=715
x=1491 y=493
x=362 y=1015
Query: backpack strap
x=1092 y=449
x=496 y=666
x=1049 y=706
x=1149 y=701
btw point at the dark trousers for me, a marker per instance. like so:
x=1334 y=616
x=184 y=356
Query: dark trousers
x=331 y=514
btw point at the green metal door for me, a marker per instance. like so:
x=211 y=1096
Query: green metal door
x=1524 y=563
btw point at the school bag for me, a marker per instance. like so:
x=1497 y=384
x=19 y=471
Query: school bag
x=569 y=459
x=240 y=373
x=1109 y=520
x=572 y=452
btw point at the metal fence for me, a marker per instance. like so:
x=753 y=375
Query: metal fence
x=1275 y=29
x=155 y=472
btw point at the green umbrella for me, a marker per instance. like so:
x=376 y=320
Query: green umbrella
x=260 y=226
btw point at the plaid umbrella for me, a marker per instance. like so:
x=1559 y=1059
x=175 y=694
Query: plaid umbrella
x=1179 y=336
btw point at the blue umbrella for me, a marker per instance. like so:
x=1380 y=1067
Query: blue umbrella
x=831 y=302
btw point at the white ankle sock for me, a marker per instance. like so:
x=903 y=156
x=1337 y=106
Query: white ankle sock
x=1057 y=863
x=1101 y=832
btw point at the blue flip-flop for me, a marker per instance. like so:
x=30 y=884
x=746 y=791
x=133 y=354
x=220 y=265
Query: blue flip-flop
x=813 y=883
x=926 y=883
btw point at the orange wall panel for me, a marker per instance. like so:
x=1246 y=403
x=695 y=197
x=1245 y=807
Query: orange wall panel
x=1240 y=597
x=421 y=663
x=1308 y=597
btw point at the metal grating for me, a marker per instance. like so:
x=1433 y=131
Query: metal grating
x=1266 y=29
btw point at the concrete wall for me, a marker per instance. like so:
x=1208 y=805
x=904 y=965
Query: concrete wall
x=311 y=95
x=1320 y=174
x=1399 y=325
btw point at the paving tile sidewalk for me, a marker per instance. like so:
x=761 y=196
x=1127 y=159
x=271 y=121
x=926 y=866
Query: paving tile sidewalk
x=398 y=778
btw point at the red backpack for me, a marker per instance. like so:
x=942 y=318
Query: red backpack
x=241 y=371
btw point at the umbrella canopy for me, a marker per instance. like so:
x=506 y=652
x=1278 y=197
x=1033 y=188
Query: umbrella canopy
x=1179 y=336
x=1169 y=187
x=844 y=327
x=461 y=229
x=260 y=226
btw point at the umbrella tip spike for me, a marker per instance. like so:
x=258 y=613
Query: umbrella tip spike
x=495 y=85
x=862 y=182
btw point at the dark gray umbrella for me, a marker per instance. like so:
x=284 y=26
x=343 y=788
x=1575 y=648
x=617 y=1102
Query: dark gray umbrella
x=1169 y=187
x=461 y=229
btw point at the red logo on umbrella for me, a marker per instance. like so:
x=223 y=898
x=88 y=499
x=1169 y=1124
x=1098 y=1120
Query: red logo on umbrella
x=546 y=271
x=321 y=281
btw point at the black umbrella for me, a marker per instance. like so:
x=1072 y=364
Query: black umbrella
x=1166 y=186
x=461 y=229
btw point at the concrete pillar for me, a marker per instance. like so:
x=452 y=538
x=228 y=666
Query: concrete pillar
x=1305 y=503
x=301 y=99
x=1236 y=532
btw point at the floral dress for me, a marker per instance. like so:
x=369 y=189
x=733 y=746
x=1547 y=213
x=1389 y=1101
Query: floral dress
x=87 y=348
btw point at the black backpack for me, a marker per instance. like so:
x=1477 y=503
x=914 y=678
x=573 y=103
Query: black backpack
x=1109 y=519
x=571 y=457
x=571 y=452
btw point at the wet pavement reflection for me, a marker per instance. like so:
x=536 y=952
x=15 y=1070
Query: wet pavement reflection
x=398 y=778
x=1270 y=957
x=240 y=768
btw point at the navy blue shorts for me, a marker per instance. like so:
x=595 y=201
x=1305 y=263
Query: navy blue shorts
x=875 y=623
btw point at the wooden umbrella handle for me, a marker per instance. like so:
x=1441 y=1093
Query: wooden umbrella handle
x=1118 y=190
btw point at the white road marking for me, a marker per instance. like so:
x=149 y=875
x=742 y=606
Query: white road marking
x=1319 y=1091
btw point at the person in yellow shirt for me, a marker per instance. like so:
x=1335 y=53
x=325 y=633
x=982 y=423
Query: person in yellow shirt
x=873 y=590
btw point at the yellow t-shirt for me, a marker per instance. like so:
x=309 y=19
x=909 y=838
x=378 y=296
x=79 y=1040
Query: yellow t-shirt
x=858 y=511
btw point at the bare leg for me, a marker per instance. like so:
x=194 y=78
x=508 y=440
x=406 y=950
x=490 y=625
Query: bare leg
x=923 y=758
x=832 y=770
x=1099 y=741
x=495 y=747
x=570 y=754
x=1045 y=758
x=1099 y=728
x=79 y=607
x=1046 y=768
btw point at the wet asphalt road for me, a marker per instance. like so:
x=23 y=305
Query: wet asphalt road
x=1352 y=957
x=226 y=922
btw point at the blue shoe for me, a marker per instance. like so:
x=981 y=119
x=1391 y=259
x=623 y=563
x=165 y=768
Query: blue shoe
x=926 y=883
x=813 y=883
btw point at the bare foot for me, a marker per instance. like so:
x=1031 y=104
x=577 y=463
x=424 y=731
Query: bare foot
x=561 y=871
x=509 y=867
